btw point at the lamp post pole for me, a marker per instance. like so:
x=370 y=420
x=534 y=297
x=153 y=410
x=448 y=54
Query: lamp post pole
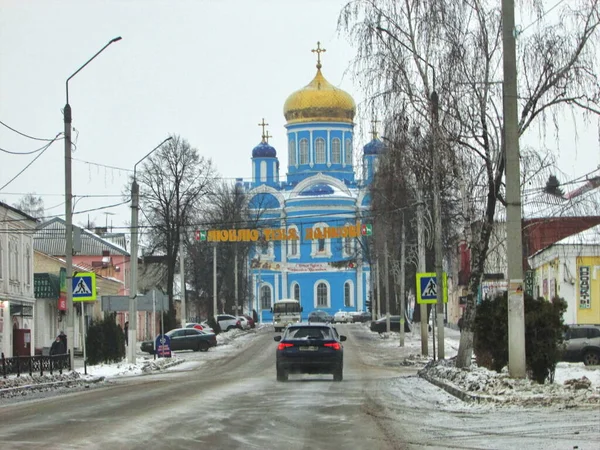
x=135 y=203
x=67 y=119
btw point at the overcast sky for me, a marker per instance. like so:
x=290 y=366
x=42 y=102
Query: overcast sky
x=206 y=70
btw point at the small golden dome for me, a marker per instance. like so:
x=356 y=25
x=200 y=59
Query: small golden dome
x=319 y=101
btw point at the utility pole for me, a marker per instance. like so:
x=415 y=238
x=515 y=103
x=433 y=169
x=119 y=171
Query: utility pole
x=422 y=268
x=402 y=281
x=235 y=269
x=514 y=247
x=135 y=204
x=182 y=275
x=437 y=214
x=387 y=286
x=215 y=312
x=131 y=339
x=378 y=313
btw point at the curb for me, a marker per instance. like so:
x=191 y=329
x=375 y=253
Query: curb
x=33 y=387
x=461 y=395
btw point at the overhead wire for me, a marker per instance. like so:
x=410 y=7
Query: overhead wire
x=24 y=134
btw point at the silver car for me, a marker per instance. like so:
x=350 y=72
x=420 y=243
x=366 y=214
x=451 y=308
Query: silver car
x=582 y=344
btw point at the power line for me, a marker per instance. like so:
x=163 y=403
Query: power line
x=10 y=152
x=541 y=17
x=24 y=134
x=32 y=161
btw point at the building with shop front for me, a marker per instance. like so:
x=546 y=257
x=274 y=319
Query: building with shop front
x=311 y=248
x=17 y=327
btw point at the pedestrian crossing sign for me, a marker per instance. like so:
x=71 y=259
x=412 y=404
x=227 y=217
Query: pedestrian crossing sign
x=84 y=287
x=427 y=288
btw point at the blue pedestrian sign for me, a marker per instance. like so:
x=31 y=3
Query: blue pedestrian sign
x=163 y=346
x=427 y=288
x=84 y=287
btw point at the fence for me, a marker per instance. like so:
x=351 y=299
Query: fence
x=38 y=364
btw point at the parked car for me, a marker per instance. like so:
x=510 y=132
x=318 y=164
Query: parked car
x=342 y=317
x=363 y=316
x=185 y=339
x=314 y=348
x=227 y=322
x=582 y=344
x=319 y=316
x=245 y=324
x=380 y=326
x=250 y=320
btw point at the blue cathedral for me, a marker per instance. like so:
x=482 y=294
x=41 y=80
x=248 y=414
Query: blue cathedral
x=321 y=201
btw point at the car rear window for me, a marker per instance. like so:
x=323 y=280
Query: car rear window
x=309 y=333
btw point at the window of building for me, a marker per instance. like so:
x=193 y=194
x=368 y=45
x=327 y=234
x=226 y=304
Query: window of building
x=336 y=151
x=296 y=291
x=294 y=247
x=321 y=245
x=322 y=295
x=265 y=297
x=263 y=171
x=348 y=151
x=347 y=294
x=292 y=153
x=320 y=151
x=303 y=151
x=13 y=260
x=293 y=244
x=348 y=246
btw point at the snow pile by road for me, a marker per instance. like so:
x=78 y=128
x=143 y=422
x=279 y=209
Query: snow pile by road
x=572 y=387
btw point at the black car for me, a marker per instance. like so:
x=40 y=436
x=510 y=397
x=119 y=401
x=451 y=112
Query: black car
x=379 y=326
x=312 y=348
x=185 y=339
x=319 y=316
x=362 y=317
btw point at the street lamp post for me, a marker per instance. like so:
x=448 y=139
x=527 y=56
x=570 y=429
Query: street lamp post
x=135 y=201
x=67 y=115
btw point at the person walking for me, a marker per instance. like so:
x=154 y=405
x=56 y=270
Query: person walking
x=126 y=330
x=58 y=347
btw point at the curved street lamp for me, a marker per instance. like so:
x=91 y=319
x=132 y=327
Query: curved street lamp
x=69 y=210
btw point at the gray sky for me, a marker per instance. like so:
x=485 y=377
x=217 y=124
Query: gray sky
x=206 y=70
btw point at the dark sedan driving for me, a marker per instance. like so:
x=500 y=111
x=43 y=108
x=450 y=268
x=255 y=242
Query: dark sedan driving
x=185 y=339
x=310 y=349
x=380 y=326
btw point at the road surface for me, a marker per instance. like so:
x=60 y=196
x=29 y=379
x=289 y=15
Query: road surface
x=234 y=402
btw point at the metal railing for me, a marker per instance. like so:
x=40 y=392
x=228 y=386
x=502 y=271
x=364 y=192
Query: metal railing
x=35 y=364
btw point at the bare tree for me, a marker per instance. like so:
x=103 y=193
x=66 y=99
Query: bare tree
x=174 y=182
x=402 y=44
x=31 y=204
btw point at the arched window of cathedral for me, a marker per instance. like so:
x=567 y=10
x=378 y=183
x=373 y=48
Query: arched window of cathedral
x=348 y=151
x=322 y=294
x=292 y=153
x=321 y=245
x=348 y=246
x=293 y=244
x=303 y=151
x=265 y=297
x=336 y=151
x=320 y=151
x=296 y=291
x=263 y=171
x=348 y=293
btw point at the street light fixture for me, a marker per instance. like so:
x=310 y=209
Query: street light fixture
x=135 y=201
x=69 y=210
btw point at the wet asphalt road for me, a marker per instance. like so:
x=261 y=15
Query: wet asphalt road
x=234 y=402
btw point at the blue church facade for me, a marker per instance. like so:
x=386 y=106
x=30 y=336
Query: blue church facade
x=320 y=202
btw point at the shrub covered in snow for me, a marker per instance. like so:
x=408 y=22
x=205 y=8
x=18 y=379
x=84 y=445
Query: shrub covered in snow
x=544 y=330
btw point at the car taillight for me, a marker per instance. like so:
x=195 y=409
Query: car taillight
x=283 y=345
x=333 y=345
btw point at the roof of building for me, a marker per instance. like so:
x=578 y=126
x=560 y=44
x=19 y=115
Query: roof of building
x=264 y=150
x=18 y=211
x=373 y=148
x=591 y=236
x=50 y=239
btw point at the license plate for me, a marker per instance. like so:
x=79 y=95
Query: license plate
x=309 y=348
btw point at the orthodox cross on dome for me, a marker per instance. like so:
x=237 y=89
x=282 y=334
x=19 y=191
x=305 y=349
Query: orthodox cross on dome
x=374 y=123
x=318 y=51
x=265 y=137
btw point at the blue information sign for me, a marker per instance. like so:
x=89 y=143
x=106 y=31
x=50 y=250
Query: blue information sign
x=163 y=346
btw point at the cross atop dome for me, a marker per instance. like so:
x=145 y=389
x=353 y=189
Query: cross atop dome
x=318 y=51
x=265 y=137
x=374 y=123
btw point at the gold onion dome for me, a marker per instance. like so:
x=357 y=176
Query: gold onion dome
x=319 y=101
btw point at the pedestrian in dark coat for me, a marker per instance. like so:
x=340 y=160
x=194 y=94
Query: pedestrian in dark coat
x=126 y=331
x=58 y=347
x=63 y=338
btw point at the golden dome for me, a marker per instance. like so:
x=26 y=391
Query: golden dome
x=319 y=101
